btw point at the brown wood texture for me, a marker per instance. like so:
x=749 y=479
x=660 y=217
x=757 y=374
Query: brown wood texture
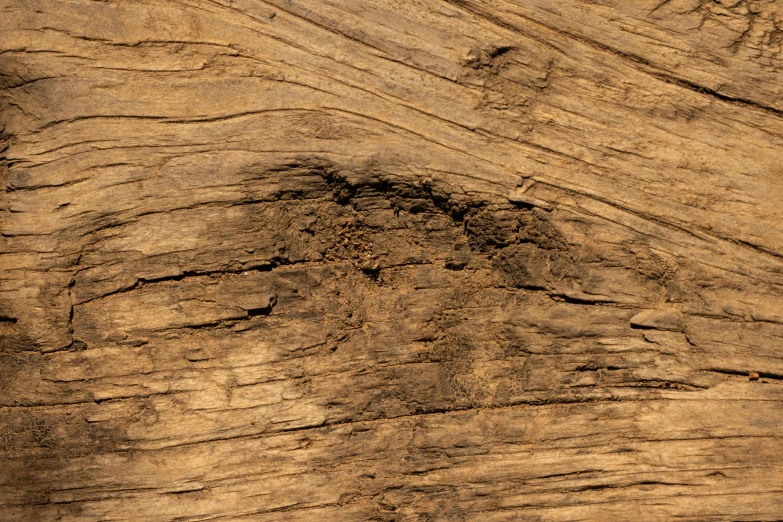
x=391 y=260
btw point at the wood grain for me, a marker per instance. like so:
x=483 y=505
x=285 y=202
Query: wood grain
x=430 y=260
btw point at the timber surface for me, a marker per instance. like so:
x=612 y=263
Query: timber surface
x=427 y=260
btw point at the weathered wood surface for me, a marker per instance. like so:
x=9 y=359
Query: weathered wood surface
x=423 y=260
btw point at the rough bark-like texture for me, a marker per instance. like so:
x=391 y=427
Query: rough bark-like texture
x=391 y=260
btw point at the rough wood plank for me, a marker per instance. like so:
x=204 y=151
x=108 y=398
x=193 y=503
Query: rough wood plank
x=431 y=260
